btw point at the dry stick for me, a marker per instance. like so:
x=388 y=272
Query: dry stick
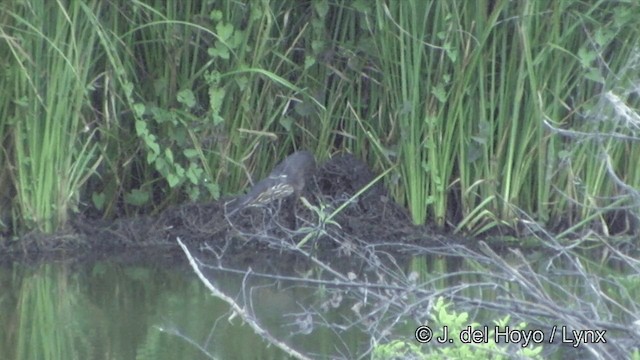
x=237 y=309
x=543 y=300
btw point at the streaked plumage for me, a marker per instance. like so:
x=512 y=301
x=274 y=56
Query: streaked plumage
x=287 y=178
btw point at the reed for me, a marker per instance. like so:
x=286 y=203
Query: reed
x=52 y=140
x=492 y=111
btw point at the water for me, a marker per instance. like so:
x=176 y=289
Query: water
x=115 y=309
x=152 y=305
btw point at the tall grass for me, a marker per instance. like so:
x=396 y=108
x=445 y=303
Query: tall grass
x=483 y=105
x=48 y=92
x=5 y=180
x=206 y=110
x=472 y=83
x=418 y=54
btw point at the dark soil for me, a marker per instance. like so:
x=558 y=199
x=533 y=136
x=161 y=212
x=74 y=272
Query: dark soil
x=372 y=217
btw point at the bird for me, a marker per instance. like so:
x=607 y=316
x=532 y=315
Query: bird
x=287 y=178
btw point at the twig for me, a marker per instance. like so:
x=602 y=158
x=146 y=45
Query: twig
x=237 y=309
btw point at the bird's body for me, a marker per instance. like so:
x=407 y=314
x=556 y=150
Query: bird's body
x=287 y=178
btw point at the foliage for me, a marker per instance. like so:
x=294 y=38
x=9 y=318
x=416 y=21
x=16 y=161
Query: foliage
x=456 y=323
x=53 y=149
x=488 y=112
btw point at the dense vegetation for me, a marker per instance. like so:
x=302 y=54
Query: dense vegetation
x=491 y=113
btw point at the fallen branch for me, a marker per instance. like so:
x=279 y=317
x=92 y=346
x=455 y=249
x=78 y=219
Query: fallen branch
x=246 y=317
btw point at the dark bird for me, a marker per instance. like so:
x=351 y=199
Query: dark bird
x=286 y=179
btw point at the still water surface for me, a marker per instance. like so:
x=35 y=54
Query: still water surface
x=153 y=306
x=119 y=309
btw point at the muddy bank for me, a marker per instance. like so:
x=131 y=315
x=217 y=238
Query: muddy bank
x=372 y=217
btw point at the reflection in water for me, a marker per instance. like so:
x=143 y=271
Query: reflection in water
x=111 y=310
x=152 y=308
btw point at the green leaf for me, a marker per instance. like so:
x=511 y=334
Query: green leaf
x=594 y=75
x=98 y=199
x=309 y=61
x=256 y=13
x=214 y=189
x=127 y=87
x=238 y=38
x=141 y=128
x=190 y=153
x=219 y=51
x=216 y=96
x=194 y=173
x=161 y=166
x=187 y=98
x=440 y=93
x=179 y=170
x=242 y=82
x=586 y=57
x=215 y=15
x=173 y=180
x=224 y=31
x=137 y=197
x=151 y=157
x=452 y=52
x=321 y=7
x=153 y=146
x=169 y=155
x=139 y=109
x=286 y=122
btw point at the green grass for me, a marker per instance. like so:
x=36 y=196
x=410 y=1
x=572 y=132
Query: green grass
x=52 y=139
x=485 y=110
